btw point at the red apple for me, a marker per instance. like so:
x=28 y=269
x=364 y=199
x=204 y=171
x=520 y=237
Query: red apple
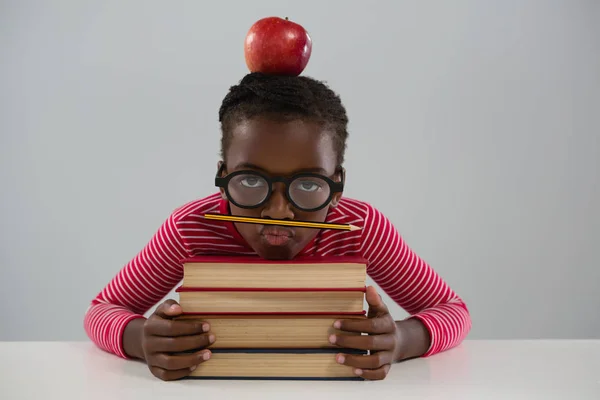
x=277 y=46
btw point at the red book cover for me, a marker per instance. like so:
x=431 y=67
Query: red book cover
x=304 y=313
x=253 y=289
x=260 y=260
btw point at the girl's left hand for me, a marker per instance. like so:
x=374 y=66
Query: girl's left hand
x=383 y=340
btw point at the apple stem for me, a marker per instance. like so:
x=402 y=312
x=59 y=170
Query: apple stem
x=286 y=18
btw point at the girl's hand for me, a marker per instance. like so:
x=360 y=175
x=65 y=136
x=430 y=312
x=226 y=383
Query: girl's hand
x=172 y=349
x=383 y=340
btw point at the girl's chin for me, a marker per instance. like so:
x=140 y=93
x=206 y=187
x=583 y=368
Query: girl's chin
x=275 y=252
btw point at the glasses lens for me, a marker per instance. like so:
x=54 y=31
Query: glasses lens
x=248 y=189
x=309 y=192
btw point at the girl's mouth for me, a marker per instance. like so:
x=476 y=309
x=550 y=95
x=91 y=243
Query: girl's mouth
x=276 y=236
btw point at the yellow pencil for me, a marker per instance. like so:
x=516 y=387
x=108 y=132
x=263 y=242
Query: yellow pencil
x=303 y=224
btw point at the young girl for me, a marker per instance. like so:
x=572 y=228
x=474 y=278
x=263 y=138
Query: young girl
x=282 y=150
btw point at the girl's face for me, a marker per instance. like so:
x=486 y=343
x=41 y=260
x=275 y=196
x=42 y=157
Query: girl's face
x=280 y=149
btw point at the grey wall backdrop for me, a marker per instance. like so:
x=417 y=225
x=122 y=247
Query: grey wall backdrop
x=474 y=128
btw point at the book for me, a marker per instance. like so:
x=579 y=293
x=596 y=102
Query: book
x=288 y=364
x=272 y=319
x=272 y=331
x=302 y=272
x=272 y=301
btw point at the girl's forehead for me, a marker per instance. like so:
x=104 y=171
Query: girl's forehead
x=281 y=147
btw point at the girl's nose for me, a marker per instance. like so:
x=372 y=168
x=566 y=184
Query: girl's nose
x=278 y=206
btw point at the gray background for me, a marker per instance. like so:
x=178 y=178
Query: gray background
x=474 y=128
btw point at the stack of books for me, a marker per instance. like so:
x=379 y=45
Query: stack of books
x=273 y=319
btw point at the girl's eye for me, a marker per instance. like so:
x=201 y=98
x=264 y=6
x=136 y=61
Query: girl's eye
x=252 y=182
x=308 y=186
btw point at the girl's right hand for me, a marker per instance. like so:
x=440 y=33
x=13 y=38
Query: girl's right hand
x=163 y=337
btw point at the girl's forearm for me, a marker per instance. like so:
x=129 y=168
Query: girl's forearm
x=413 y=339
x=132 y=338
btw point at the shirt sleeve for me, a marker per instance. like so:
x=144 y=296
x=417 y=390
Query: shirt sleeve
x=413 y=284
x=138 y=286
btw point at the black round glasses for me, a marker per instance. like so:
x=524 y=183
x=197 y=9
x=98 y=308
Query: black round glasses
x=251 y=189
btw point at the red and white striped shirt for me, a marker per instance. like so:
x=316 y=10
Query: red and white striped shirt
x=157 y=269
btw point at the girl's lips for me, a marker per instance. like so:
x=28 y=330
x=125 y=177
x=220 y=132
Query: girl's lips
x=276 y=236
x=276 y=240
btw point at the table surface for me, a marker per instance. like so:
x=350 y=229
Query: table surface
x=505 y=369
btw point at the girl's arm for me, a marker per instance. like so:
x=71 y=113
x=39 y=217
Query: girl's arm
x=439 y=318
x=138 y=286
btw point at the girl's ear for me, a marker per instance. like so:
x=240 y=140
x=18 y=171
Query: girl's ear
x=341 y=177
x=221 y=172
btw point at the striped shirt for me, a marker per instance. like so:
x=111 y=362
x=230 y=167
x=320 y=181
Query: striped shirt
x=157 y=269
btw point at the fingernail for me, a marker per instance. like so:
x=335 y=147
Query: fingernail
x=211 y=338
x=337 y=324
x=358 y=371
x=193 y=367
x=206 y=356
x=205 y=327
x=332 y=339
x=341 y=359
x=173 y=307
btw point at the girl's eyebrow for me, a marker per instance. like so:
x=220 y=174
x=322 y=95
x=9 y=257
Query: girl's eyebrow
x=317 y=170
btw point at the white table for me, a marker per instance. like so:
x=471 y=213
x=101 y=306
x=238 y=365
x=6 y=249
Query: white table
x=482 y=370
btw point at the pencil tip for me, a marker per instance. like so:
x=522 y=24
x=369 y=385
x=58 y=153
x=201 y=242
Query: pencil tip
x=354 y=228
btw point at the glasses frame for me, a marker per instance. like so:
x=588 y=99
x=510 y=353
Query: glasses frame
x=223 y=183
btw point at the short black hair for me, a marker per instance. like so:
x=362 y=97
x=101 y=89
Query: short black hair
x=284 y=97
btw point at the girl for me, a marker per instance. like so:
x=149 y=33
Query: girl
x=282 y=149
